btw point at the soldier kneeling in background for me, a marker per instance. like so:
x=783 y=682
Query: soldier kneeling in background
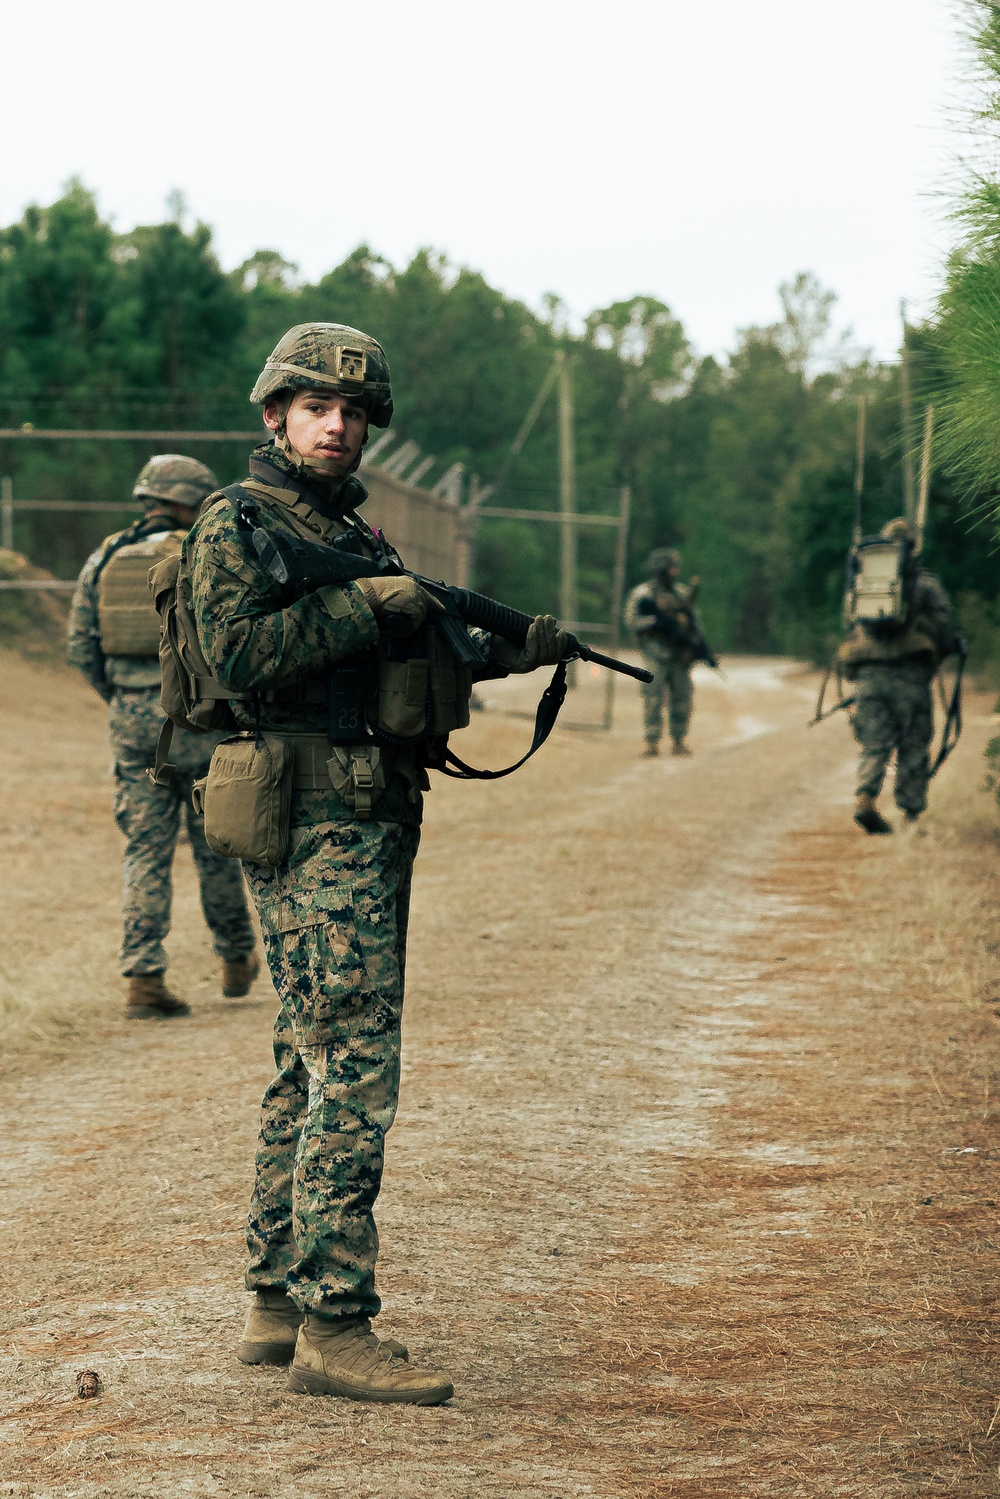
x=114 y=641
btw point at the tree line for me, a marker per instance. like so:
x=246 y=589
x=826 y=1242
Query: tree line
x=746 y=463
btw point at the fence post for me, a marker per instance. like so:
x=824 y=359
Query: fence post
x=7 y=513
x=617 y=598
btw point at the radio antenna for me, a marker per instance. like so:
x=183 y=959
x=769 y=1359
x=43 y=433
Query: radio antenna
x=859 y=470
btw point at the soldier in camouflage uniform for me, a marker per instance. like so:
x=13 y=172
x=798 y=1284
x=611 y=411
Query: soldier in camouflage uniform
x=334 y=912
x=668 y=658
x=113 y=641
x=892 y=667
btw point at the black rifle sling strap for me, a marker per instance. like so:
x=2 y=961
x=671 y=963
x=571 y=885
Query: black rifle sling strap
x=546 y=714
x=952 y=731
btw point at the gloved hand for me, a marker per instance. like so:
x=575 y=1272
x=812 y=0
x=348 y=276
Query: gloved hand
x=544 y=646
x=399 y=604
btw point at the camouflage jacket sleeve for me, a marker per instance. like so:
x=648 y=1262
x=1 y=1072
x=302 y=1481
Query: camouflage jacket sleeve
x=83 y=649
x=249 y=640
x=933 y=608
x=638 y=623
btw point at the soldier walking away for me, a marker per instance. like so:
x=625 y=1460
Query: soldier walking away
x=661 y=614
x=114 y=642
x=350 y=686
x=892 y=661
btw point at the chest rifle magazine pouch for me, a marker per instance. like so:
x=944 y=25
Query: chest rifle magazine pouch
x=247 y=798
x=402 y=697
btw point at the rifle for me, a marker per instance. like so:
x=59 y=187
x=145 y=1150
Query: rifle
x=689 y=636
x=294 y=562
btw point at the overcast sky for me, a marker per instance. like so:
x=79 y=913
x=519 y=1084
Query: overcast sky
x=699 y=153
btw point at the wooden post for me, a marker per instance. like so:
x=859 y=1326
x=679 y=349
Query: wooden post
x=7 y=513
x=925 y=478
x=906 y=399
x=567 y=503
x=859 y=470
x=617 y=599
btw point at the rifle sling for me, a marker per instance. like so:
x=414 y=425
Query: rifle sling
x=546 y=714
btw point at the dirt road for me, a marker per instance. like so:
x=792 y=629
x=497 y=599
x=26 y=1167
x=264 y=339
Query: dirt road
x=692 y=1186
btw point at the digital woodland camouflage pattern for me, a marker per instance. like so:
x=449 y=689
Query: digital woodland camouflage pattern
x=893 y=710
x=670 y=664
x=334 y=923
x=149 y=817
x=334 y=926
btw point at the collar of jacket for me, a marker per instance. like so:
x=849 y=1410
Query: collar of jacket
x=270 y=466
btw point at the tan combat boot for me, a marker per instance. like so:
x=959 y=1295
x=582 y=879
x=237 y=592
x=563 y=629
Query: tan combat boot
x=150 y=999
x=342 y=1356
x=679 y=748
x=652 y=749
x=868 y=816
x=238 y=975
x=271 y=1327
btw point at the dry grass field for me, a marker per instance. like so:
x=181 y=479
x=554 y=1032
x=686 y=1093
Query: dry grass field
x=694 y=1183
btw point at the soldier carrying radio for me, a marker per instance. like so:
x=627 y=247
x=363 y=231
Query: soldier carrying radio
x=902 y=626
x=114 y=639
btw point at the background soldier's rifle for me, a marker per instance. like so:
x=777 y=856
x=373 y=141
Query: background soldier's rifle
x=685 y=634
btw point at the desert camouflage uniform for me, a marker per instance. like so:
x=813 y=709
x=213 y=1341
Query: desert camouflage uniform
x=150 y=816
x=670 y=664
x=892 y=672
x=333 y=915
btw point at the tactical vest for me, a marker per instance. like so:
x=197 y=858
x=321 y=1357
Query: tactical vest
x=411 y=689
x=407 y=690
x=127 y=621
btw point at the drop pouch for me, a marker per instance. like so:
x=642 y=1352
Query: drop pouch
x=246 y=798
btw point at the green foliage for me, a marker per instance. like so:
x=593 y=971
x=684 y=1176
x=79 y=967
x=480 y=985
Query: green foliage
x=746 y=464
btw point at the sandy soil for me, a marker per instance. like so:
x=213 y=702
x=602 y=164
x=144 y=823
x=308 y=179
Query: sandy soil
x=693 y=1186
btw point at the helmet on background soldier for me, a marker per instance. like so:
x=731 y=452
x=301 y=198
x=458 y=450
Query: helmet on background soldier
x=175 y=480
x=329 y=356
x=898 y=529
x=663 y=560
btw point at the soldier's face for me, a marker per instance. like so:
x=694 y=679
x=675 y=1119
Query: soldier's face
x=326 y=429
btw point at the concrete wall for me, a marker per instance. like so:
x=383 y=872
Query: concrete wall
x=423 y=528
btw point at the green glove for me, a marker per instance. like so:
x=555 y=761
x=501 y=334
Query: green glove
x=544 y=646
x=399 y=604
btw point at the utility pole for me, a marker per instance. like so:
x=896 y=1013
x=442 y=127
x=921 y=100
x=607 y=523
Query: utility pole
x=7 y=513
x=567 y=502
x=906 y=397
x=925 y=477
x=859 y=470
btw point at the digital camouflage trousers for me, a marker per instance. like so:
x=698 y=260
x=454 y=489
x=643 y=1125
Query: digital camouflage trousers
x=893 y=712
x=671 y=679
x=334 y=920
x=150 y=819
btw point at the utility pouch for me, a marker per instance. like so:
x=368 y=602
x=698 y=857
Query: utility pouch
x=402 y=697
x=451 y=689
x=357 y=774
x=246 y=798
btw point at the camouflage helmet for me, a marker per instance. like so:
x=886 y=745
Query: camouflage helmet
x=175 y=479
x=661 y=559
x=329 y=356
x=898 y=529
